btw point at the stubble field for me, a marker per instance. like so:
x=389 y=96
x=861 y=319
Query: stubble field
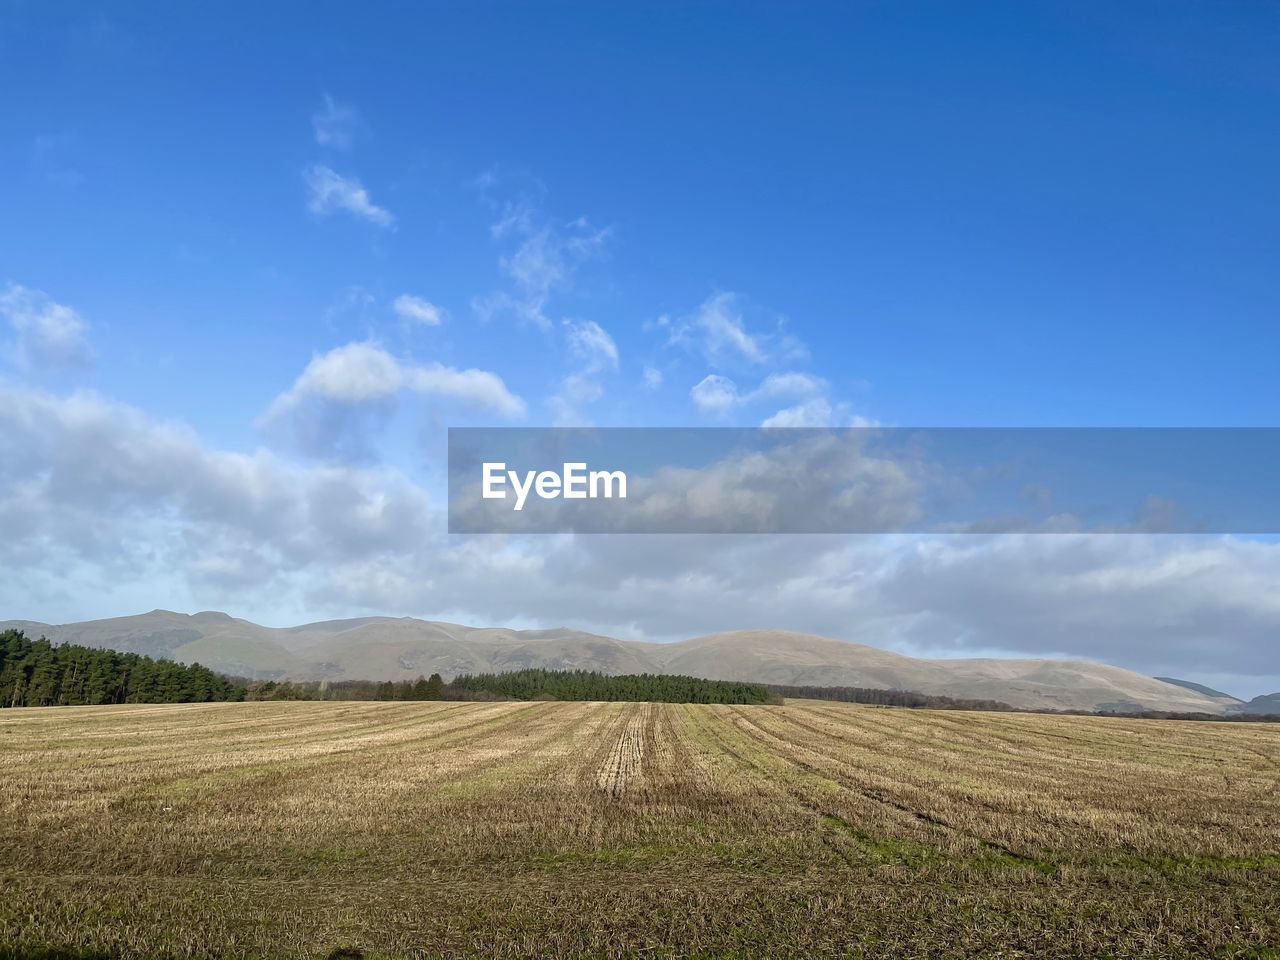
x=535 y=829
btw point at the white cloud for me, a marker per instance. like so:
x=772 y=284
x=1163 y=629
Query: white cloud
x=790 y=384
x=48 y=334
x=715 y=394
x=575 y=392
x=335 y=124
x=596 y=353
x=354 y=373
x=331 y=192
x=537 y=264
x=719 y=330
x=361 y=372
x=543 y=259
x=345 y=394
x=652 y=377
x=718 y=394
x=812 y=413
x=722 y=327
x=418 y=310
x=592 y=344
x=475 y=388
x=102 y=482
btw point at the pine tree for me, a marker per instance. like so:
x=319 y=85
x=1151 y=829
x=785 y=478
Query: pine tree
x=37 y=673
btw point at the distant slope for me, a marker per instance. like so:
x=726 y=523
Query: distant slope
x=402 y=648
x=1232 y=704
x=1268 y=703
x=1200 y=689
x=779 y=656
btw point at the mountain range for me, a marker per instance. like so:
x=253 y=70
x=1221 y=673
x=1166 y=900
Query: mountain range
x=381 y=648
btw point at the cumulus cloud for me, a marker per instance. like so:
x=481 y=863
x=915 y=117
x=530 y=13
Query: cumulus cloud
x=100 y=481
x=475 y=388
x=330 y=192
x=354 y=373
x=361 y=372
x=715 y=394
x=335 y=124
x=47 y=334
x=418 y=310
x=817 y=412
x=345 y=394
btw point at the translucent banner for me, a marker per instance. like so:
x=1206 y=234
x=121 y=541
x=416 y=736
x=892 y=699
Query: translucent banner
x=864 y=480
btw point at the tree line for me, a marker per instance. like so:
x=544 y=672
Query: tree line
x=530 y=684
x=423 y=688
x=36 y=673
x=539 y=684
x=883 y=698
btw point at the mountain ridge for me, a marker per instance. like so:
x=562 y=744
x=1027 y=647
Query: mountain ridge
x=400 y=648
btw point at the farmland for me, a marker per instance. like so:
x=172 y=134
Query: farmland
x=523 y=829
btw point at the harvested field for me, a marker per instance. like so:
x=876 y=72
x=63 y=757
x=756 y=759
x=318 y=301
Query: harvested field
x=527 y=829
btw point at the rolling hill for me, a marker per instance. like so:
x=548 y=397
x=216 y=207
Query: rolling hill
x=403 y=648
x=1265 y=705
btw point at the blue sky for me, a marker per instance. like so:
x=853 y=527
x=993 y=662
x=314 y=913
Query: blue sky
x=921 y=214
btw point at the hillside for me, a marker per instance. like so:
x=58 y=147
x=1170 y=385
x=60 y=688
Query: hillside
x=403 y=648
x=1266 y=705
x=779 y=656
x=1228 y=701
